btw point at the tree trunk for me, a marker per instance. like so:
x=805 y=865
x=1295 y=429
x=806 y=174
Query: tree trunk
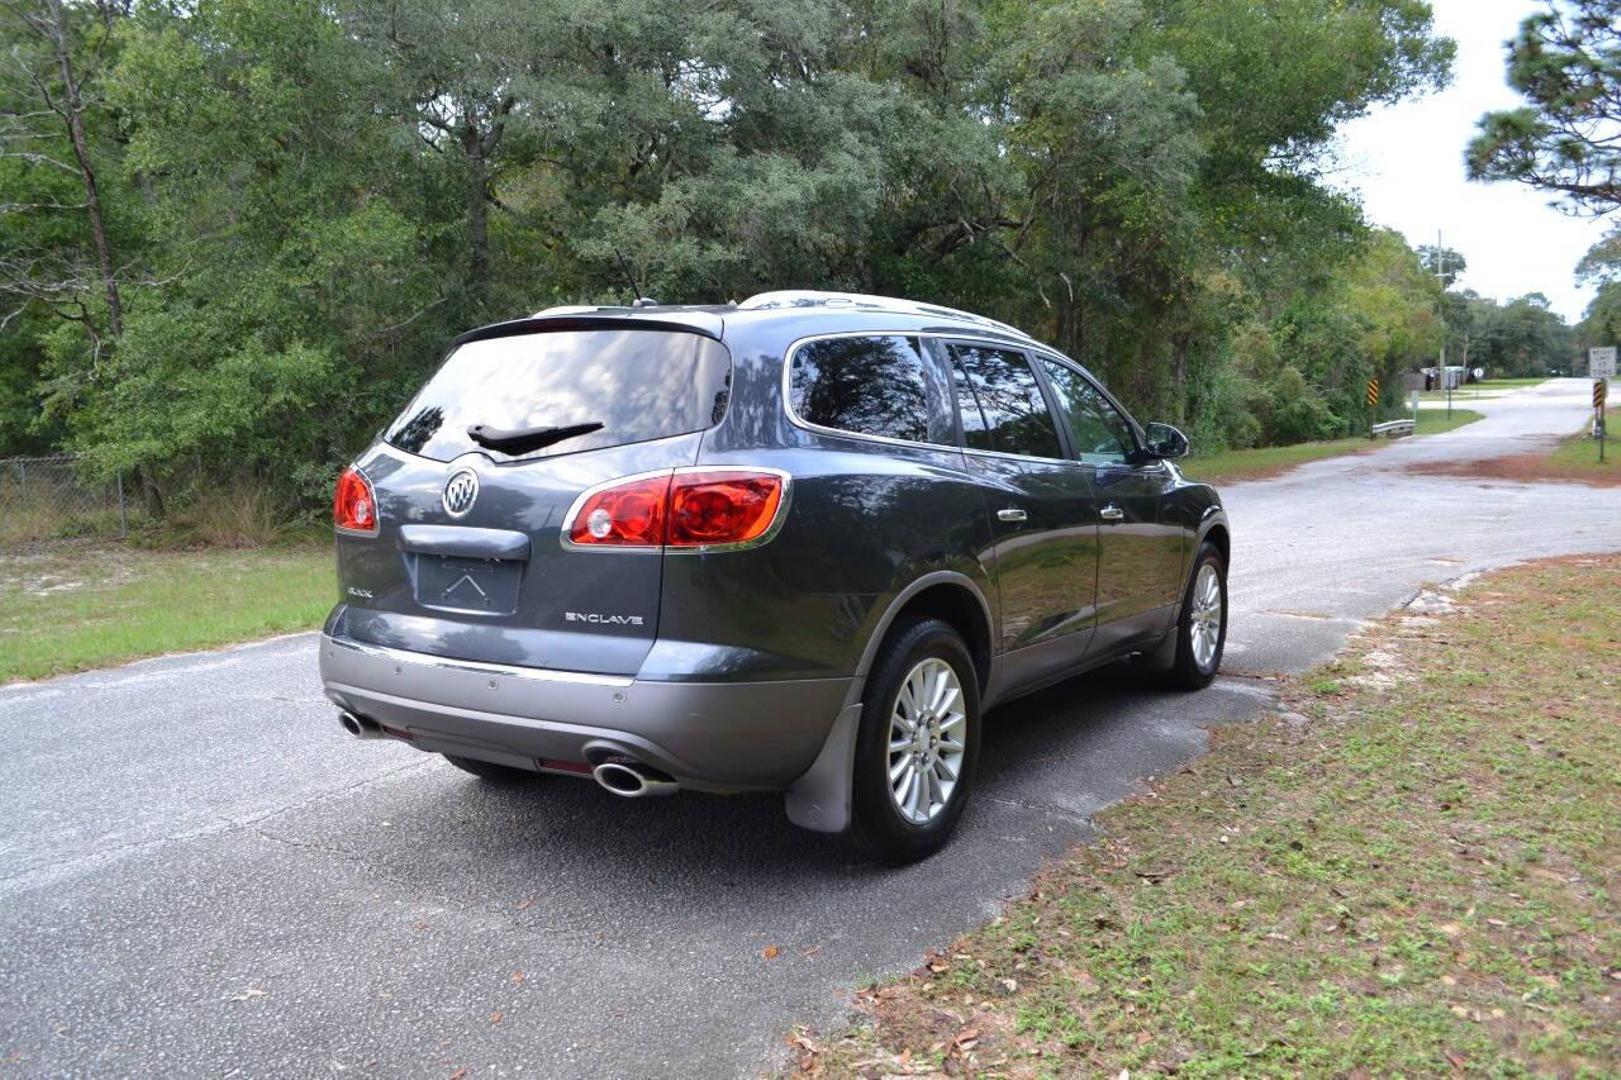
x=478 y=215
x=81 y=151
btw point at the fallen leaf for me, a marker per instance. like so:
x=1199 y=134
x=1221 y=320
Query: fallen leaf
x=459 y=1074
x=525 y=902
x=769 y=952
x=250 y=992
x=495 y=1017
x=517 y=978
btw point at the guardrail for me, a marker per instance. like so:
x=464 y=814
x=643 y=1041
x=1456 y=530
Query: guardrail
x=1391 y=429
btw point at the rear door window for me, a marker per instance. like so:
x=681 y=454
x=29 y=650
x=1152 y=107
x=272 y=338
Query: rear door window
x=638 y=384
x=884 y=384
x=1002 y=405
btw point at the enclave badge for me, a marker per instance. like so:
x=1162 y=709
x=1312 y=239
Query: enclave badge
x=461 y=491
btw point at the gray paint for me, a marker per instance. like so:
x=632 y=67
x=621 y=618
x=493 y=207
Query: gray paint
x=733 y=638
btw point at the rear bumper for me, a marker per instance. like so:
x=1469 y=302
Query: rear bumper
x=711 y=736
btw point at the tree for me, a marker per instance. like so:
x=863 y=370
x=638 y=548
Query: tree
x=1566 y=61
x=49 y=100
x=1447 y=264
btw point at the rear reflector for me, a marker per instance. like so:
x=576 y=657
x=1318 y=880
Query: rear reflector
x=354 y=504
x=695 y=509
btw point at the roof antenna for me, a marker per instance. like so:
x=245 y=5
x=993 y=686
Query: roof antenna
x=640 y=301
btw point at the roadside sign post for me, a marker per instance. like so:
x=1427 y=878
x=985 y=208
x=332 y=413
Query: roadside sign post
x=1600 y=365
x=1600 y=392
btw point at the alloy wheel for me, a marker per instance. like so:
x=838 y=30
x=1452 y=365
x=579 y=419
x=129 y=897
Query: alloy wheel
x=926 y=741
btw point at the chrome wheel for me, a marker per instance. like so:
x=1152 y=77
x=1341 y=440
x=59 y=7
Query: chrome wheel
x=1205 y=616
x=926 y=741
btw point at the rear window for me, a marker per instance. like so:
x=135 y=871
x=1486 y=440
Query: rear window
x=638 y=384
x=883 y=385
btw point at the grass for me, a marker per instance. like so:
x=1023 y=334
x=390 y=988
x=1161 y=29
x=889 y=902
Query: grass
x=1486 y=388
x=1230 y=466
x=1577 y=455
x=71 y=607
x=1409 y=871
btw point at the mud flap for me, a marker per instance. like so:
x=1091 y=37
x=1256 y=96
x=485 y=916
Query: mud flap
x=820 y=799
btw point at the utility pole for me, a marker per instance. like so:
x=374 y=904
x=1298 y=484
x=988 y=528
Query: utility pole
x=1441 y=276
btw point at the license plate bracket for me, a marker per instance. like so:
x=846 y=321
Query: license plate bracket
x=458 y=583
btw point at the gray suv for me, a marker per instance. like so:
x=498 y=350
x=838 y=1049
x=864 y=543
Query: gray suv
x=797 y=544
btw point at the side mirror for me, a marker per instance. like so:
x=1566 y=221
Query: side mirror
x=1166 y=442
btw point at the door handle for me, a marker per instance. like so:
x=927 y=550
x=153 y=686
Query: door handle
x=1112 y=513
x=1012 y=515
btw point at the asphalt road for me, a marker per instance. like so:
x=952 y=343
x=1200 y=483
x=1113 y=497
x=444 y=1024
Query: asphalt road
x=200 y=874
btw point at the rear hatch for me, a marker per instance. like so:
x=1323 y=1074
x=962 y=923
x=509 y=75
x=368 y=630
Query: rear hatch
x=474 y=479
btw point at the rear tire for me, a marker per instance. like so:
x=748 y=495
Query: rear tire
x=917 y=745
x=1201 y=625
x=490 y=771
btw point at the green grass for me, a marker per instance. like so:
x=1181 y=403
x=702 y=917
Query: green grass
x=1411 y=872
x=1576 y=457
x=1229 y=466
x=71 y=607
x=1486 y=388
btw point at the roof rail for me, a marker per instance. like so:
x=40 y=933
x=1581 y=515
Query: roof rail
x=789 y=298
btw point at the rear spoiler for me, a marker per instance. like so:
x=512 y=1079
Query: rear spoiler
x=541 y=323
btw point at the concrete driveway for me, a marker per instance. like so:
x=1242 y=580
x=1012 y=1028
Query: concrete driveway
x=200 y=874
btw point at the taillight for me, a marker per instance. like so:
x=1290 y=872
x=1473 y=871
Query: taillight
x=354 y=506
x=630 y=514
x=701 y=508
x=722 y=507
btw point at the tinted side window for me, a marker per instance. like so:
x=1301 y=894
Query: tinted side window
x=1100 y=434
x=1002 y=406
x=880 y=385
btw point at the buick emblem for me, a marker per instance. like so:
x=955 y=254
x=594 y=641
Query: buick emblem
x=461 y=492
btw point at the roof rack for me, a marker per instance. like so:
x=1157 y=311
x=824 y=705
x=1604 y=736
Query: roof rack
x=790 y=298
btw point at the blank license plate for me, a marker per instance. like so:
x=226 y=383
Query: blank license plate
x=489 y=586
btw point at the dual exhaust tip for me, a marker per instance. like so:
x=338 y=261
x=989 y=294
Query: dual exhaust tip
x=622 y=776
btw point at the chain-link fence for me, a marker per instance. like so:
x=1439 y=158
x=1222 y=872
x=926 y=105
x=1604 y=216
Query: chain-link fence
x=44 y=499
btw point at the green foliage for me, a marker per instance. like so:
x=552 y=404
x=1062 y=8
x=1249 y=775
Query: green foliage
x=1566 y=61
x=306 y=200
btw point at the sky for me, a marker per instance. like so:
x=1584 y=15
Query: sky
x=1406 y=161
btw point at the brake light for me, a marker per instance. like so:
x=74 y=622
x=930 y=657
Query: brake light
x=354 y=505
x=686 y=508
x=722 y=507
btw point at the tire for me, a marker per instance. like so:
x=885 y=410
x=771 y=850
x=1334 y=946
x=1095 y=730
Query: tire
x=922 y=658
x=1196 y=661
x=489 y=770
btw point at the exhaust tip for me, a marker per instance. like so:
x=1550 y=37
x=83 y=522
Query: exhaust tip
x=358 y=726
x=633 y=780
x=619 y=779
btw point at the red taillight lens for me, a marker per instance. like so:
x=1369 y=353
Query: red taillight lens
x=626 y=515
x=722 y=507
x=354 y=507
x=689 y=509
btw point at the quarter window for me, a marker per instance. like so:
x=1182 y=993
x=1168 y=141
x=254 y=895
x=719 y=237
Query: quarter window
x=884 y=385
x=1002 y=405
x=1100 y=434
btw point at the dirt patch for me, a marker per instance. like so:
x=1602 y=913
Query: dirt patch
x=1520 y=469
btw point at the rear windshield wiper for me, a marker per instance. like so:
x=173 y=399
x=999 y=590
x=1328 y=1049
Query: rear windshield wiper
x=523 y=440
